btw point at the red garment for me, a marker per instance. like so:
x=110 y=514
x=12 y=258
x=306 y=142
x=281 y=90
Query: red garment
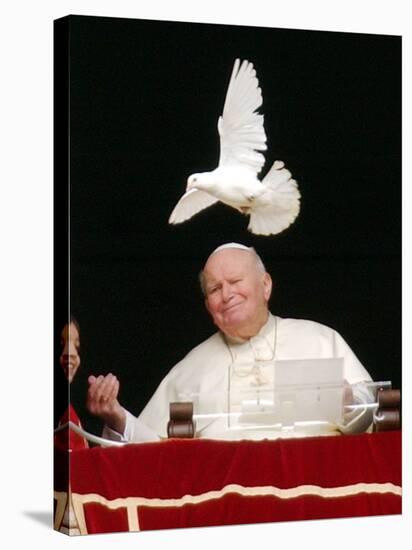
x=67 y=438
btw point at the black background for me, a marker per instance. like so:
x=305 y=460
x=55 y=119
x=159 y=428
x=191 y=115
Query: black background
x=144 y=101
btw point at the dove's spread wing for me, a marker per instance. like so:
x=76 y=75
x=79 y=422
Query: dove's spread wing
x=240 y=128
x=191 y=203
x=278 y=206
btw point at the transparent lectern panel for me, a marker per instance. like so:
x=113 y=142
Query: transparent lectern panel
x=284 y=393
x=365 y=394
x=283 y=396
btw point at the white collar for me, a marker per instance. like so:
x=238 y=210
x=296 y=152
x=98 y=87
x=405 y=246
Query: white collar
x=263 y=344
x=265 y=332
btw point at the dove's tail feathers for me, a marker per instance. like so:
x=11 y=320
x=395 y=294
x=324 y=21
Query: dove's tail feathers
x=191 y=203
x=279 y=179
x=274 y=219
x=279 y=206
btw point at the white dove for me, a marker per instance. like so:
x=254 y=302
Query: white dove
x=272 y=203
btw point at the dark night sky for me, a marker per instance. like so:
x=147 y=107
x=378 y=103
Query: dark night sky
x=144 y=101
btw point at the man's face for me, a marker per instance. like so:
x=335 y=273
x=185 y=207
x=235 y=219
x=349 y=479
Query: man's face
x=70 y=358
x=237 y=292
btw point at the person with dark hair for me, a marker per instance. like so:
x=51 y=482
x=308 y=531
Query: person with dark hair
x=65 y=439
x=70 y=349
x=236 y=288
x=69 y=361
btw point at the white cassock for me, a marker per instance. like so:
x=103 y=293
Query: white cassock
x=205 y=371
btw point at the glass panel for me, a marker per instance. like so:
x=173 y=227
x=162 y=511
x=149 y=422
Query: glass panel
x=264 y=406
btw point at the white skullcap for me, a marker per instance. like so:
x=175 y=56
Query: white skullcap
x=230 y=245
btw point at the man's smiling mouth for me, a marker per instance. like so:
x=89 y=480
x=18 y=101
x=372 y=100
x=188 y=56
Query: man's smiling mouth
x=232 y=307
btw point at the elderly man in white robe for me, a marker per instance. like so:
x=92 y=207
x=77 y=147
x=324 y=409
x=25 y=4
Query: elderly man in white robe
x=237 y=289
